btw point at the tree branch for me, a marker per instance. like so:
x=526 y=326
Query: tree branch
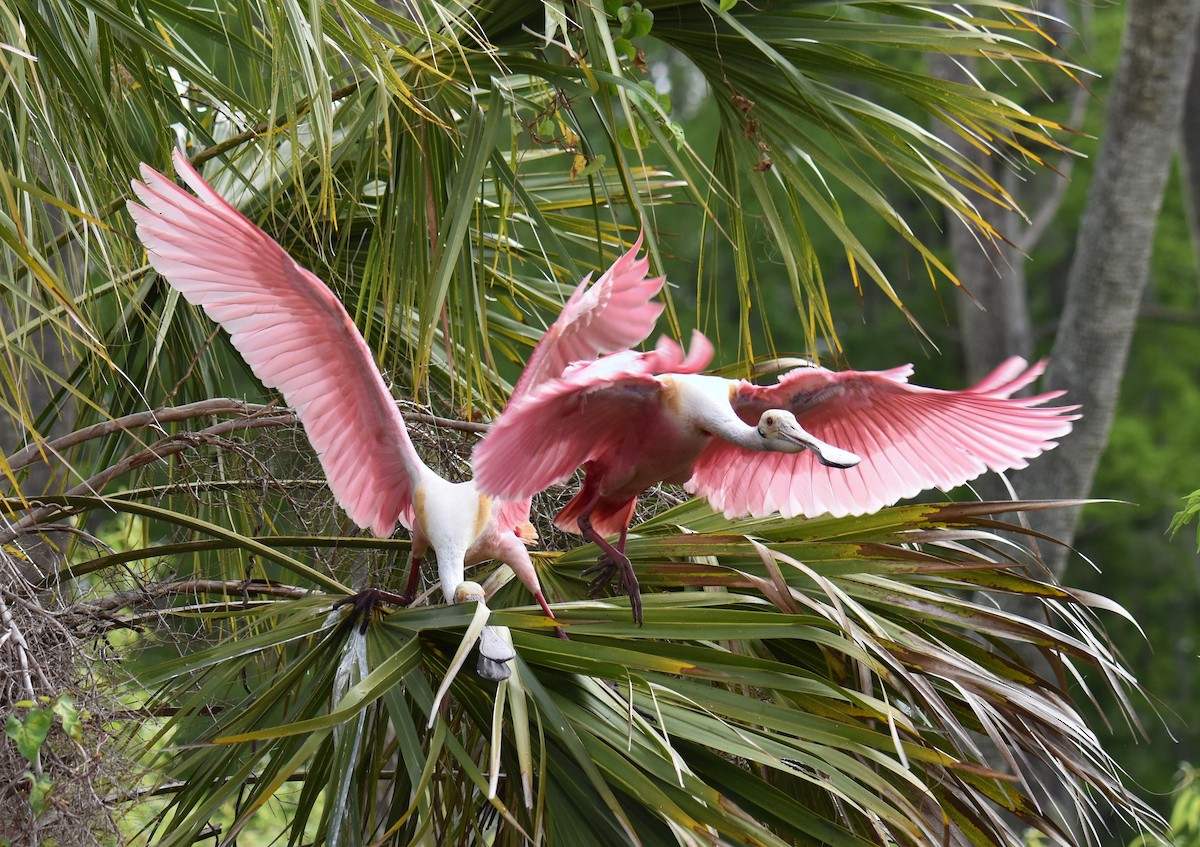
x=255 y=416
x=204 y=408
x=225 y=587
x=168 y=414
x=159 y=450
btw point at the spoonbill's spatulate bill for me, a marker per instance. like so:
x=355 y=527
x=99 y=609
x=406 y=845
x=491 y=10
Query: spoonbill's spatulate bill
x=297 y=337
x=817 y=441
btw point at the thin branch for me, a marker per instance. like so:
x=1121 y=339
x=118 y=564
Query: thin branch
x=228 y=587
x=188 y=411
x=156 y=452
x=168 y=414
x=1163 y=314
x=257 y=416
x=159 y=615
x=447 y=423
x=21 y=648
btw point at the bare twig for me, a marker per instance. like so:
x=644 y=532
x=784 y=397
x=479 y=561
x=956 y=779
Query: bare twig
x=188 y=411
x=168 y=414
x=156 y=452
x=254 y=416
x=36 y=609
x=21 y=648
x=231 y=587
x=160 y=615
x=251 y=416
x=447 y=423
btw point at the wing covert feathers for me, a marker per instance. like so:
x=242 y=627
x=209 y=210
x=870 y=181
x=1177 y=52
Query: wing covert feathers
x=591 y=411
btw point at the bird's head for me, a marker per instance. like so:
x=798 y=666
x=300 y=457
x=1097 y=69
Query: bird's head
x=783 y=433
x=772 y=423
x=469 y=592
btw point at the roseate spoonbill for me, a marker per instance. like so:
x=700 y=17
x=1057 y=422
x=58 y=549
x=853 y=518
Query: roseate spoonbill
x=635 y=419
x=297 y=337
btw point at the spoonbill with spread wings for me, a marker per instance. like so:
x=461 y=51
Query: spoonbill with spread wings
x=817 y=441
x=297 y=337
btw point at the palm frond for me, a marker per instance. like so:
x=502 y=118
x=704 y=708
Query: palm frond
x=450 y=170
x=845 y=680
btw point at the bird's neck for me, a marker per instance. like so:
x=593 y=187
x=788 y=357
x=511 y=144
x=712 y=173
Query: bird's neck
x=729 y=427
x=707 y=402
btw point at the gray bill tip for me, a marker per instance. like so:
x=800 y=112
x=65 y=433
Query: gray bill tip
x=491 y=670
x=836 y=457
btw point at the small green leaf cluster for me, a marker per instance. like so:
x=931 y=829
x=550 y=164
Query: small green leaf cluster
x=1186 y=515
x=30 y=733
x=549 y=127
x=661 y=105
x=633 y=20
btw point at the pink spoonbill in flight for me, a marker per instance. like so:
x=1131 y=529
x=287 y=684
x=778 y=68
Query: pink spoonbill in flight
x=297 y=337
x=632 y=420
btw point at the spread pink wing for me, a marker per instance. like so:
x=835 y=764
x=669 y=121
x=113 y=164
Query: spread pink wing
x=614 y=314
x=294 y=334
x=909 y=438
x=597 y=408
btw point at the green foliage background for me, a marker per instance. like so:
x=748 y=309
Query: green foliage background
x=1153 y=459
x=791 y=291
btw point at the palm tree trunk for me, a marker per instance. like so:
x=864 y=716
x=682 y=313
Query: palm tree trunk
x=1112 y=255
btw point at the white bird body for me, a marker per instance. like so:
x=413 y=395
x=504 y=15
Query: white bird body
x=696 y=408
x=463 y=528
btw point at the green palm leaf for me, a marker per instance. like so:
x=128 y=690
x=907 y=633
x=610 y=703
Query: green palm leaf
x=786 y=696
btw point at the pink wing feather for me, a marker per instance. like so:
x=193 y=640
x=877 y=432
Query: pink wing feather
x=593 y=410
x=909 y=438
x=616 y=313
x=294 y=334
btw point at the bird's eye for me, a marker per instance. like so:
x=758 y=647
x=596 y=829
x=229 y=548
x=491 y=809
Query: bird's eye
x=770 y=421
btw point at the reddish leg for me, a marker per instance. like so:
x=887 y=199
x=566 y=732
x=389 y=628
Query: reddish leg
x=612 y=562
x=414 y=576
x=364 y=602
x=558 y=630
